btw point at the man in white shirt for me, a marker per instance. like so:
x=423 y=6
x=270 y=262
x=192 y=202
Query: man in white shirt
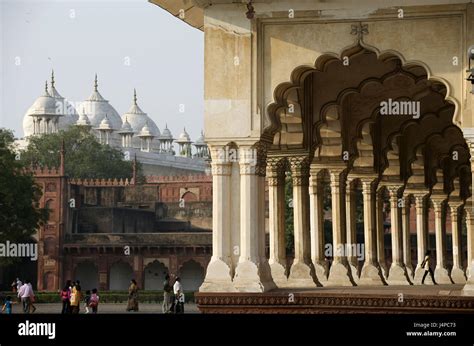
x=178 y=296
x=25 y=293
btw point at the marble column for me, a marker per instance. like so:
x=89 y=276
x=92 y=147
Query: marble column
x=441 y=272
x=397 y=274
x=316 y=195
x=457 y=273
x=407 y=237
x=381 y=233
x=351 y=232
x=276 y=220
x=219 y=271
x=301 y=271
x=339 y=273
x=371 y=274
x=468 y=288
x=250 y=275
x=421 y=237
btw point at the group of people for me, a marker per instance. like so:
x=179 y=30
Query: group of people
x=173 y=296
x=25 y=294
x=71 y=297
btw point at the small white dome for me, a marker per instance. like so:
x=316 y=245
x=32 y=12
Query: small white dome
x=184 y=137
x=138 y=118
x=200 y=140
x=145 y=132
x=126 y=128
x=166 y=134
x=105 y=124
x=83 y=120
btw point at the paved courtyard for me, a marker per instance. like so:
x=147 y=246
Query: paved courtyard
x=107 y=308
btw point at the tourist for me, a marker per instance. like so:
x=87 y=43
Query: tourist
x=178 y=296
x=16 y=284
x=167 y=290
x=132 y=304
x=7 y=306
x=76 y=298
x=87 y=300
x=25 y=293
x=32 y=297
x=426 y=266
x=94 y=301
x=66 y=298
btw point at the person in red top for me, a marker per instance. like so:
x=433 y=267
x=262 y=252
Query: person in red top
x=65 y=295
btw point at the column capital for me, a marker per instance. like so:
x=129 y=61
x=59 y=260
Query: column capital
x=221 y=168
x=276 y=167
x=299 y=166
x=395 y=190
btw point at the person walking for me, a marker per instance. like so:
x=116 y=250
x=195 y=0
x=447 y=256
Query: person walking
x=178 y=296
x=167 y=290
x=132 y=304
x=94 y=301
x=32 y=298
x=426 y=266
x=7 y=306
x=65 y=295
x=76 y=298
x=25 y=293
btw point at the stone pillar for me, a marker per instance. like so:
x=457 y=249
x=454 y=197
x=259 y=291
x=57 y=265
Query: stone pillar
x=339 y=273
x=219 y=271
x=457 y=273
x=351 y=233
x=381 y=234
x=397 y=274
x=371 y=273
x=316 y=194
x=468 y=288
x=250 y=275
x=301 y=271
x=407 y=237
x=276 y=220
x=441 y=273
x=421 y=237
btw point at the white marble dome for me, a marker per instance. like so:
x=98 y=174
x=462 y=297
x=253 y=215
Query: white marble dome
x=96 y=108
x=166 y=134
x=184 y=137
x=68 y=111
x=200 y=140
x=138 y=119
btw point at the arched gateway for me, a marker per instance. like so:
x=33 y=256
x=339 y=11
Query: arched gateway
x=357 y=121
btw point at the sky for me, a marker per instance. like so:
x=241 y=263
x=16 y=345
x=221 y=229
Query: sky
x=128 y=43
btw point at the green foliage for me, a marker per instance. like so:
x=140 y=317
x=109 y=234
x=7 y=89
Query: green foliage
x=289 y=228
x=19 y=197
x=85 y=157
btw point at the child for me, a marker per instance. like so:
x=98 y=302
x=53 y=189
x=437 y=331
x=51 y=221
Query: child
x=7 y=307
x=87 y=300
x=94 y=301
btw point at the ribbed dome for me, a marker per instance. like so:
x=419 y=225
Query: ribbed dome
x=184 y=137
x=96 y=107
x=137 y=118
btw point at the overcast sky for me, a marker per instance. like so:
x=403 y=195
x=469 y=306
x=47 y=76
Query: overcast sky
x=128 y=43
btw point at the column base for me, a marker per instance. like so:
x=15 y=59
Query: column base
x=339 y=275
x=442 y=276
x=371 y=275
x=249 y=277
x=458 y=276
x=419 y=273
x=218 y=277
x=278 y=271
x=321 y=272
x=301 y=275
x=468 y=289
x=397 y=275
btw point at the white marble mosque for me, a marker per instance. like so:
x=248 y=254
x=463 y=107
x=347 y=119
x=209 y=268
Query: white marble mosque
x=135 y=133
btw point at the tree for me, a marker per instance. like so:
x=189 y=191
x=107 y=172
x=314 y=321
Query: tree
x=20 y=215
x=85 y=157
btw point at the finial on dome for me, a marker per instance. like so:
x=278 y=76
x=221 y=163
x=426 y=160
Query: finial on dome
x=134 y=96
x=46 y=87
x=52 y=79
x=95 y=83
x=166 y=125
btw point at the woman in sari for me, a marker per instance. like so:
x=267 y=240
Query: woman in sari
x=132 y=304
